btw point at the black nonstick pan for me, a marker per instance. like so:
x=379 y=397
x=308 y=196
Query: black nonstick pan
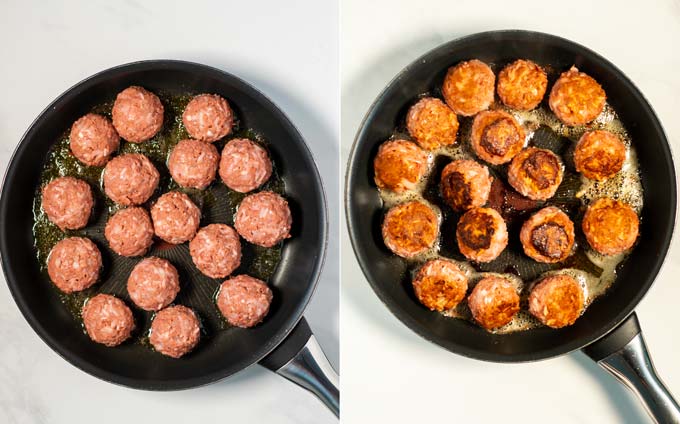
x=283 y=342
x=608 y=331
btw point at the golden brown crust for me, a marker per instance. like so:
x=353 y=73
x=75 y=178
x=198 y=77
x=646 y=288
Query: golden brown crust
x=481 y=234
x=522 y=85
x=610 y=226
x=548 y=236
x=496 y=136
x=469 y=87
x=557 y=301
x=536 y=173
x=599 y=155
x=493 y=302
x=465 y=184
x=432 y=124
x=410 y=228
x=576 y=98
x=399 y=165
x=440 y=285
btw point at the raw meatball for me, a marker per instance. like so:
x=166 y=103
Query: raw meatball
x=175 y=331
x=536 y=173
x=599 y=155
x=67 y=202
x=129 y=232
x=216 y=250
x=244 y=301
x=440 y=285
x=175 y=217
x=482 y=234
x=245 y=165
x=610 y=226
x=557 y=301
x=193 y=164
x=522 y=85
x=107 y=320
x=548 y=236
x=432 y=124
x=465 y=184
x=153 y=284
x=493 y=302
x=399 y=165
x=496 y=136
x=74 y=264
x=208 y=117
x=410 y=229
x=263 y=218
x=469 y=87
x=130 y=179
x=93 y=139
x=576 y=98
x=137 y=114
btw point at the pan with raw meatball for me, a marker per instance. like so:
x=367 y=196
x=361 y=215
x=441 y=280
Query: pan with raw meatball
x=432 y=123
x=557 y=301
x=465 y=184
x=244 y=300
x=400 y=165
x=548 y=236
x=107 y=320
x=175 y=331
x=469 y=87
x=208 y=117
x=496 y=137
x=536 y=173
x=481 y=234
x=440 y=285
x=175 y=217
x=137 y=114
x=599 y=155
x=67 y=202
x=74 y=264
x=245 y=165
x=610 y=226
x=522 y=85
x=193 y=164
x=493 y=302
x=129 y=232
x=576 y=98
x=130 y=179
x=216 y=250
x=93 y=139
x=153 y=284
x=264 y=219
x=410 y=229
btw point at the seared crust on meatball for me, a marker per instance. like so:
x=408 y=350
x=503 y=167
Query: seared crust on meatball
x=193 y=164
x=536 y=173
x=129 y=232
x=599 y=155
x=244 y=300
x=74 y=264
x=153 y=284
x=410 y=229
x=557 y=301
x=175 y=331
x=93 y=139
x=465 y=184
x=432 y=124
x=67 y=202
x=522 y=84
x=245 y=165
x=130 y=179
x=548 y=236
x=400 y=165
x=493 y=302
x=469 y=87
x=208 y=117
x=216 y=250
x=440 y=285
x=610 y=226
x=264 y=219
x=137 y=114
x=576 y=98
x=496 y=136
x=175 y=217
x=481 y=234
x=107 y=320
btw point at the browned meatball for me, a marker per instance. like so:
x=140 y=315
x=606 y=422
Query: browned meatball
x=208 y=117
x=610 y=226
x=599 y=155
x=175 y=217
x=469 y=87
x=493 y=302
x=481 y=234
x=129 y=232
x=557 y=301
x=153 y=284
x=74 y=264
x=576 y=98
x=244 y=301
x=465 y=184
x=400 y=165
x=410 y=229
x=264 y=219
x=193 y=164
x=496 y=136
x=216 y=250
x=175 y=331
x=548 y=236
x=107 y=320
x=130 y=179
x=536 y=173
x=432 y=124
x=440 y=285
x=245 y=165
x=93 y=139
x=137 y=114
x=67 y=202
x=522 y=85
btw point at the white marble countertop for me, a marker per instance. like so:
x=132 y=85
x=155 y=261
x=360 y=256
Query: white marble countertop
x=385 y=365
x=288 y=50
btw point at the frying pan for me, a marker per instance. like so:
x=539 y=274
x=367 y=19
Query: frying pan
x=283 y=342
x=608 y=331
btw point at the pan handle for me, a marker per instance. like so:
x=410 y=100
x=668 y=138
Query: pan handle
x=299 y=358
x=623 y=353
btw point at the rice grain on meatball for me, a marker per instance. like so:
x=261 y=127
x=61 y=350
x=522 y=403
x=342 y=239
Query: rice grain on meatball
x=469 y=87
x=481 y=234
x=465 y=184
x=244 y=301
x=440 y=285
x=496 y=136
x=245 y=165
x=93 y=139
x=193 y=164
x=130 y=179
x=432 y=124
x=493 y=302
x=175 y=331
x=129 y=232
x=576 y=98
x=599 y=155
x=107 y=320
x=208 y=117
x=67 y=202
x=175 y=217
x=548 y=236
x=153 y=284
x=264 y=219
x=137 y=114
x=522 y=85
x=216 y=250
x=536 y=173
x=410 y=229
x=557 y=301
x=610 y=226
x=400 y=165
x=74 y=264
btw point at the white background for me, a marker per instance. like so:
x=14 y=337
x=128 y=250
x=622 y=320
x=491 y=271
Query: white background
x=392 y=375
x=289 y=51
